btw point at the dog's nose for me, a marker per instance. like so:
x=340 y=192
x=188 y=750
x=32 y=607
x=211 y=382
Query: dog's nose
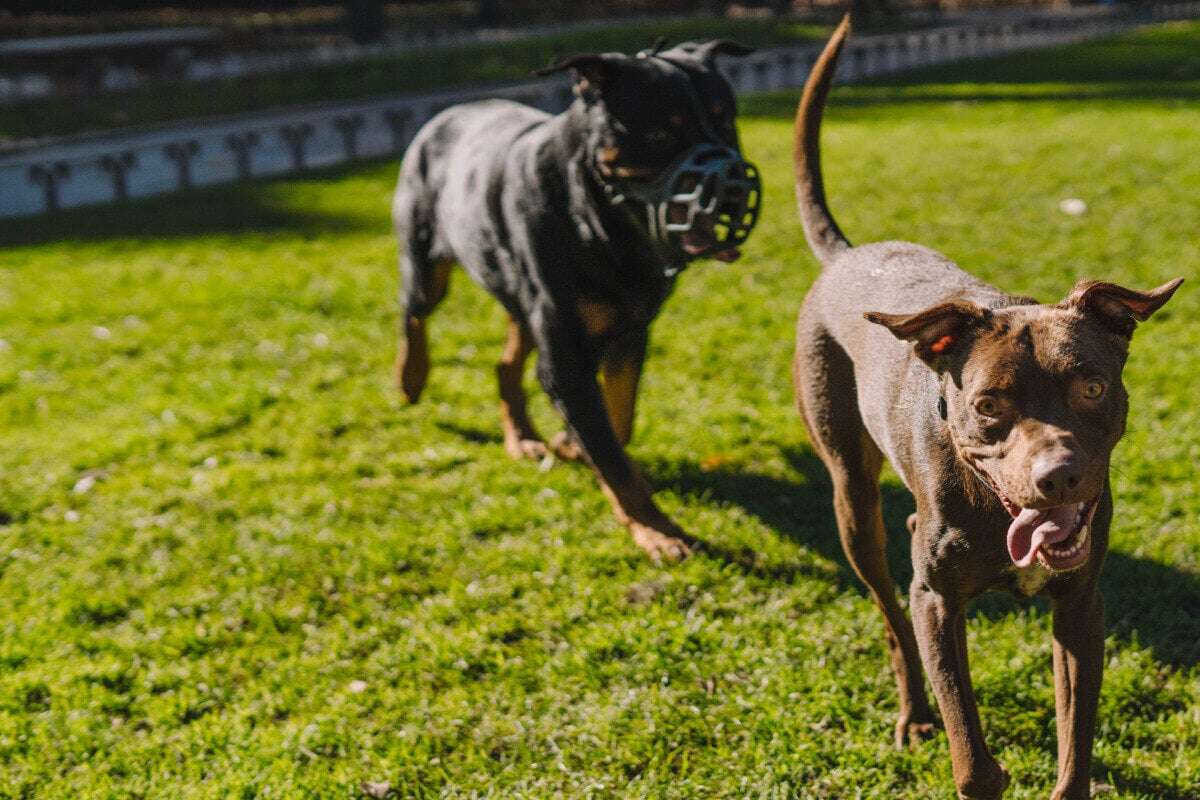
x=1055 y=476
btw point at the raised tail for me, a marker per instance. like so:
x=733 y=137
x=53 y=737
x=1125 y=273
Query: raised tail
x=822 y=232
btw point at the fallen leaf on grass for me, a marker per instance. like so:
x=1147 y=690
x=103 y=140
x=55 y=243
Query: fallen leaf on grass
x=714 y=462
x=376 y=789
x=644 y=592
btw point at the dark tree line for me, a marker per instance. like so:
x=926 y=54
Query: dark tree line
x=366 y=19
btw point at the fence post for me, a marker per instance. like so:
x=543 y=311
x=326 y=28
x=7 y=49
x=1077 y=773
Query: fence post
x=348 y=127
x=295 y=136
x=397 y=122
x=117 y=165
x=48 y=176
x=181 y=153
x=241 y=144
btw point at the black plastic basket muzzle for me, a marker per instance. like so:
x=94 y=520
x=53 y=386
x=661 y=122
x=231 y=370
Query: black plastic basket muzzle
x=710 y=190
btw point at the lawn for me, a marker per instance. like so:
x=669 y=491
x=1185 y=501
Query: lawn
x=234 y=564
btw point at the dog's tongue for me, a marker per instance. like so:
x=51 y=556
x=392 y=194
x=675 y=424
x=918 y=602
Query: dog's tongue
x=1034 y=527
x=700 y=238
x=694 y=245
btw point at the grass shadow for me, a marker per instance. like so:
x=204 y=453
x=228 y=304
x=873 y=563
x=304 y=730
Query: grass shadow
x=1155 y=56
x=261 y=206
x=782 y=105
x=1151 y=64
x=471 y=434
x=1155 y=605
x=1166 y=619
x=801 y=511
x=1141 y=785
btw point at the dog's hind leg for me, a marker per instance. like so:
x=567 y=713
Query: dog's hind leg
x=425 y=288
x=425 y=280
x=825 y=391
x=521 y=440
x=424 y=272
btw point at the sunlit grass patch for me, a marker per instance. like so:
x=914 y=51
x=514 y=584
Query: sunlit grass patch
x=233 y=563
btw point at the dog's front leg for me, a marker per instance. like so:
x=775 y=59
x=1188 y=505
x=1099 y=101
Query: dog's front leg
x=1078 y=670
x=621 y=370
x=940 y=624
x=568 y=376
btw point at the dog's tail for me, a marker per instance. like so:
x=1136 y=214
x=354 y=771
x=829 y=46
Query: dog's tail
x=822 y=232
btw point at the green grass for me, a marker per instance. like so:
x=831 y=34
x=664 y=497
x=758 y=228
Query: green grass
x=462 y=65
x=218 y=515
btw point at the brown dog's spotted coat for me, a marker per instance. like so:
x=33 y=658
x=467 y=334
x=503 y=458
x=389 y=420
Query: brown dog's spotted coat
x=1000 y=415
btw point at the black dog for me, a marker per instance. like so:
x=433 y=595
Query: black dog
x=578 y=224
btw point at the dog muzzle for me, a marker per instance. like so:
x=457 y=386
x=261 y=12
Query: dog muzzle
x=706 y=201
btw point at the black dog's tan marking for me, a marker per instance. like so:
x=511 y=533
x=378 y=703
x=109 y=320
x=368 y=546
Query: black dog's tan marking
x=520 y=438
x=1000 y=415
x=520 y=200
x=412 y=363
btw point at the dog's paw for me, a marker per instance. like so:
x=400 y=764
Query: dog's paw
x=412 y=364
x=911 y=731
x=520 y=448
x=411 y=382
x=566 y=448
x=1085 y=789
x=658 y=545
x=988 y=783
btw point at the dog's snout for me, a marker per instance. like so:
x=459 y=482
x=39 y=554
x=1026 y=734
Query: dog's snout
x=1056 y=475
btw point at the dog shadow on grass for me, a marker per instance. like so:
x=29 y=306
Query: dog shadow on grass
x=1148 y=603
x=1152 y=604
x=472 y=434
x=801 y=511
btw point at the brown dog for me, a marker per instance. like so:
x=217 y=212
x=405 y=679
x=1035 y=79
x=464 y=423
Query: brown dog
x=1000 y=414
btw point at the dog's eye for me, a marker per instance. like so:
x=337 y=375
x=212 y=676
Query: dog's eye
x=987 y=406
x=660 y=139
x=1094 y=389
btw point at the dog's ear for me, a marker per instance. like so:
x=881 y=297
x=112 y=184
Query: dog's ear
x=937 y=331
x=708 y=51
x=660 y=42
x=1117 y=307
x=704 y=52
x=593 y=70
